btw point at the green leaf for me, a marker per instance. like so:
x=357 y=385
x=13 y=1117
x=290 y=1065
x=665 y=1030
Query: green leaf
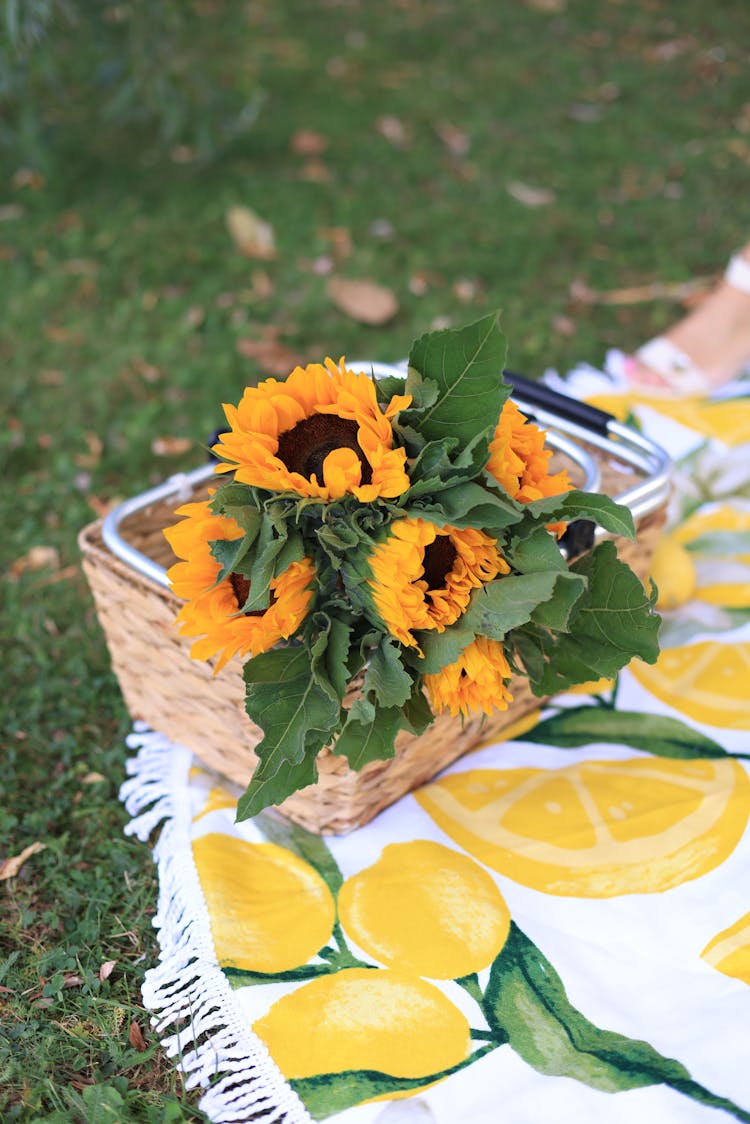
x=369 y=739
x=526 y=1000
x=439 y=649
x=386 y=677
x=327 y=1094
x=466 y=365
x=229 y=553
x=509 y=602
x=416 y=712
x=534 y=551
x=467 y=505
x=555 y=614
x=387 y=387
x=274 y=779
x=652 y=733
x=298 y=711
x=613 y=621
x=243 y=977
x=596 y=506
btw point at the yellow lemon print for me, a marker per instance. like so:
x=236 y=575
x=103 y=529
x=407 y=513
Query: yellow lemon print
x=361 y=1018
x=597 y=828
x=269 y=910
x=217 y=799
x=673 y=570
x=727 y=590
x=729 y=951
x=425 y=909
x=593 y=687
x=708 y=681
x=728 y=422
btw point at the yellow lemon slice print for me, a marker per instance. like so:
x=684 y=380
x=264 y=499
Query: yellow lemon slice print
x=708 y=681
x=722 y=519
x=598 y=828
x=729 y=951
x=426 y=909
x=362 y=1018
x=268 y=909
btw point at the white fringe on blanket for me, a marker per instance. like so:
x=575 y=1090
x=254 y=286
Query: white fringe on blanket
x=187 y=990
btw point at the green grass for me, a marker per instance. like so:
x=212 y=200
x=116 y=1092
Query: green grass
x=123 y=303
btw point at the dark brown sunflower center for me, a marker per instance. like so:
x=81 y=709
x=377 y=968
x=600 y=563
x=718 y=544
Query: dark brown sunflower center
x=439 y=557
x=241 y=589
x=304 y=448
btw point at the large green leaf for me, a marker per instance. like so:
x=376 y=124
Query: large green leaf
x=298 y=712
x=510 y=602
x=466 y=365
x=368 y=734
x=613 y=622
x=652 y=733
x=526 y=1001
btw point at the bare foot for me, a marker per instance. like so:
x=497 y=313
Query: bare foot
x=715 y=336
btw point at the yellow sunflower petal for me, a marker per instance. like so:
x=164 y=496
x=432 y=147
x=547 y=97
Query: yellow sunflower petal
x=423 y=575
x=476 y=681
x=304 y=435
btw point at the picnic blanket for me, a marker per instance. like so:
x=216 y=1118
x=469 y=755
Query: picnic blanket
x=557 y=926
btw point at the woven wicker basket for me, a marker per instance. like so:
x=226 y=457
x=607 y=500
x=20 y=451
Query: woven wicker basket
x=183 y=699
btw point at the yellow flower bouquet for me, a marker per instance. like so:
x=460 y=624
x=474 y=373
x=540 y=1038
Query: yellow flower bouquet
x=401 y=533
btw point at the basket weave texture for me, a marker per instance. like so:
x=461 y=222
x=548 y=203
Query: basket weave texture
x=183 y=699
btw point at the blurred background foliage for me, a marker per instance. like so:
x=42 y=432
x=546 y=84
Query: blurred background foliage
x=156 y=67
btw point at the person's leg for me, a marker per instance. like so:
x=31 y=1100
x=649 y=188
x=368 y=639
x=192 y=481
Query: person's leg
x=714 y=338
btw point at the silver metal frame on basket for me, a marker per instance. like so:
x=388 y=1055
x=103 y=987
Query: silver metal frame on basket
x=619 y=442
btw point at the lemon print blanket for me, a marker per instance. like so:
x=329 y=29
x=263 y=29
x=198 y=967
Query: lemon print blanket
x=556 y=928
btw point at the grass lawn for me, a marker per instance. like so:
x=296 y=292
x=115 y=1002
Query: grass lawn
x=467 y=156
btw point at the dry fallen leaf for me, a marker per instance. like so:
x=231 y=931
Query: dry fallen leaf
x=135 y=1037
x=654 y=291
x=315 y=171
x=393 y=130
x=93 y=778
x=251 y=234
x=530 y=196
x=365 y=301
x=305 y=142
x=72 y=980
x=455 y=140
x=272 y=356
x=9 y=868
x=171 y=446
x=106 y=969
x=38 y=558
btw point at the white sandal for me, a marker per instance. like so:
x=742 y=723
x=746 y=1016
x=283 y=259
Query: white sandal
x=664 y=358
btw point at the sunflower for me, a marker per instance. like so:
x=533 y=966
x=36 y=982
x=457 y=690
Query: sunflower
x=478 y=680
x=519 y=460
x=214 y=612
x=423 y=575
x=319 y=433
